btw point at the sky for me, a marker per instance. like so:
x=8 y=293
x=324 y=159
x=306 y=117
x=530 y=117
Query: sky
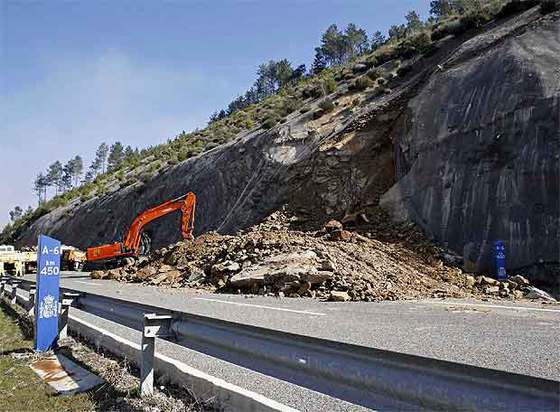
x=76 y=73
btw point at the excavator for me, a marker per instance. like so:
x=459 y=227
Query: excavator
x=136 y=242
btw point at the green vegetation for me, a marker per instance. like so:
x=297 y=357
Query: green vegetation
x=361 y=83
x=280 y=89
x=20 y=388
x=326 y=105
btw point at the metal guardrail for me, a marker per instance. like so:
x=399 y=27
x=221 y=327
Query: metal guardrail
x=366 y=376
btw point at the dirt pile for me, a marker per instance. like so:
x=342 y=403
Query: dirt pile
x=333 y=263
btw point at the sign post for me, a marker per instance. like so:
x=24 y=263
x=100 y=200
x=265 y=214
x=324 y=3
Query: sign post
x=47 y=293
x=501 y=260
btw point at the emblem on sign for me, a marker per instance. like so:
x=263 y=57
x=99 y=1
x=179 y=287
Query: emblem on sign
x=48 y=307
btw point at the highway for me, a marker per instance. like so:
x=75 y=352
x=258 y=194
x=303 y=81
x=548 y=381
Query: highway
x=505 y=336
x=514 y=337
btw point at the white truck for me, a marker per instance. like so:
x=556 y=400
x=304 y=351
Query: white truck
x=18 y=261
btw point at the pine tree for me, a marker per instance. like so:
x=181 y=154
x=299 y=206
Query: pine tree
x=413 y=22
x=334 y=45
x=116 y=156
x=377 y=40
x=54 y=176
x=101 y=157
x=356 y=39
x=441 y=8
x=67 y=175
x=128 y=152
x=77 y=169
x=397 y=32
x=40 y=188
x=319 y=63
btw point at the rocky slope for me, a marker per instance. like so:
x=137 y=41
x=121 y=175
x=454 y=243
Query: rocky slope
x=463 y=142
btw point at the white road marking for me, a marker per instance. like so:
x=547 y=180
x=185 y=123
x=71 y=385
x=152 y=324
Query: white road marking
x=484 y=305
x=86 y=283
x=305 y=312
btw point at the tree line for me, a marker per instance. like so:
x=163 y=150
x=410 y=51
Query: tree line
x=337 y=47
x=62 y=178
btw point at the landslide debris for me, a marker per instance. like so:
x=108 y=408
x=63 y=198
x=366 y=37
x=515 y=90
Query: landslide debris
x=334 y=264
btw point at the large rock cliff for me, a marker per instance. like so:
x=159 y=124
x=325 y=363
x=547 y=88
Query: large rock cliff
x=465 y=145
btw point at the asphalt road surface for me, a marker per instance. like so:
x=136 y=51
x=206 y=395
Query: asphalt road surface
x=509 y=336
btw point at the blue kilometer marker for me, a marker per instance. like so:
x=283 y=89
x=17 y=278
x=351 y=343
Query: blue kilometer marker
x=48 y=294
x=501 y=273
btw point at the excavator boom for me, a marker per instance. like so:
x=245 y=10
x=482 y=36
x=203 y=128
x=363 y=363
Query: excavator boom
x=132 y=242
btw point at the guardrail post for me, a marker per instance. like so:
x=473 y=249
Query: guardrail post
x=31 y=303
x=153 y=326
x=13 y=296
x=68 y=300
x=3 y=281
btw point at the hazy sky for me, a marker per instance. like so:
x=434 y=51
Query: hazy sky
x=76 y=73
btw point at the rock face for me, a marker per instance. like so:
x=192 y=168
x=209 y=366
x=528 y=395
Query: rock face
x=466 y=146
x=477 y=150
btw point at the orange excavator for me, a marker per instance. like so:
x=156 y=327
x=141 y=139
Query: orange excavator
x=136 y=242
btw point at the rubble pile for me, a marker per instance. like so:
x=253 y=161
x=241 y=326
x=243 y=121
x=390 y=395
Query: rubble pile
x=330 y=264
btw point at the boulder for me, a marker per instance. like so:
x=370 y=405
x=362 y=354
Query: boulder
x=146 y=272
x=98 y=274
x=338 y=296
x=492 y=290
x=485 y=280
x=249 y=277
x=196 y=276
x=170 y=277
x=333 y=225
x=225 y=267
x=470 y=281
x=535 y=293
x=340 y=235
x=165 y=268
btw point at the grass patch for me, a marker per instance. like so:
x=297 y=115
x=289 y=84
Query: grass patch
x=20 y=388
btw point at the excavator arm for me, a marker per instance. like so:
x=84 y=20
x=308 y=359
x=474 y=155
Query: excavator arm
x=131 y=244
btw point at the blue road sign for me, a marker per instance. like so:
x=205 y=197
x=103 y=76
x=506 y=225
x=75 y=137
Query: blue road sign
x=501 y=260
x=47 y=294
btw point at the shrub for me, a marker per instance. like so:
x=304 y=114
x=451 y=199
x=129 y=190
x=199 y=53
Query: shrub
x=269 y=122
x=304 y=109
x=475 y=19
x=548 y=6
x=419 y=43
x=290 y=105
x=329 y=84
x=85 y=197
x=381 y=81
x=315 y=91
x=361 y=83
x=385 y=54
x=326 y=105
x=370 y=62
x=320 y=87
x=373 y=74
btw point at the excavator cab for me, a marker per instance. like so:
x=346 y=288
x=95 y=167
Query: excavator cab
x=137 y=242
